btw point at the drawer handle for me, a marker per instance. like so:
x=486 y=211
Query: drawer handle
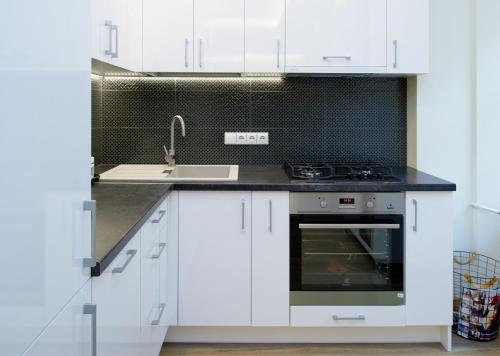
x=162 y=247
x=160 y=216
x=130 y=254
x=347 y=58
x=157 y=321
x=91 y=309
x=359 y=317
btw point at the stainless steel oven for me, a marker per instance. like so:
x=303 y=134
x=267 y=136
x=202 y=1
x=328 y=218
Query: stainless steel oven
x=347 y=249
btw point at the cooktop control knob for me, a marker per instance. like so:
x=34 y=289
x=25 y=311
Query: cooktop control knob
x=323 y=204
x=370 y=204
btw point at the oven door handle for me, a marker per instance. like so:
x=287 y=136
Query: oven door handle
x=349 y=226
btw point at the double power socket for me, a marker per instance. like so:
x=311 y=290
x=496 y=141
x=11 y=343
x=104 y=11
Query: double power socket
x=246 y=138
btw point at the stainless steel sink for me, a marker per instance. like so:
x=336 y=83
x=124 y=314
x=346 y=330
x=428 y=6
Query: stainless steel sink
x=164 y=173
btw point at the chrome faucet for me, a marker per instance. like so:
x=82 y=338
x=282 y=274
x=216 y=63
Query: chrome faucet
x=170 y=154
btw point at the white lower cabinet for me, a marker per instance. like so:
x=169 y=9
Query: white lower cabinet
x=71 y=332
x=347 y=316
x=270 y=259
x=215 y=258
x=429 y=258
x=117 y=294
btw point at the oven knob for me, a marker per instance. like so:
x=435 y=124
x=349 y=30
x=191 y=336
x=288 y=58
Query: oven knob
x=323 y=204
x=370 y=204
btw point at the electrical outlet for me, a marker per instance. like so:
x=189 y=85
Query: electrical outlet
x=252 y=138
x=246 y=138
x=241 y=138
x=263 y=138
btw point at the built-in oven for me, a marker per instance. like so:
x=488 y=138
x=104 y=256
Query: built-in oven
x=347 y=249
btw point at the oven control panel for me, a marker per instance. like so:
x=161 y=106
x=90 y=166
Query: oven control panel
x=347 y=203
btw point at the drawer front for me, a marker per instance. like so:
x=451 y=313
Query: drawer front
x=347 y=316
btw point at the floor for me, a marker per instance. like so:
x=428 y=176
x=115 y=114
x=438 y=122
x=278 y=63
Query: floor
x=460 y=347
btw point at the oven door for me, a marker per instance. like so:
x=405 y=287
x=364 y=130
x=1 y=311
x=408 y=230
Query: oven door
x=346 y=259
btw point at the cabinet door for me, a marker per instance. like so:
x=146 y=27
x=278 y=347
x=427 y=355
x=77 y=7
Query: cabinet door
x=44 y=230
x=265 y=36
x=219 y=36
x=101 y=31
x=71 y=332
x=168 y=36
x=270 y=259
x=117 y=294
x=126 y=33
x=349 y=34
x=214 y=258
x=429 y=258
x=408 y=36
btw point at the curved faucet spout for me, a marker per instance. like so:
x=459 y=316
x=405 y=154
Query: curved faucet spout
x=170 y=155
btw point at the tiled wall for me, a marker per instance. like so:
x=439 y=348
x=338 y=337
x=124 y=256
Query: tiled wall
x=307 y=119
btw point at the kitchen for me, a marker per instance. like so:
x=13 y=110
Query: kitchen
x=265 y=174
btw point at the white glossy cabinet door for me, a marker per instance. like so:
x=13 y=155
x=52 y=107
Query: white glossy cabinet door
x=215 y=258
x=101 y=31
x=408 y=36
x=45 y=123
x=270 y=259
x=336 y=35
x=429 y=258
x=265 y=36
x=219 y=36
x=71 y=332
x=117 y=294
x=168 y=36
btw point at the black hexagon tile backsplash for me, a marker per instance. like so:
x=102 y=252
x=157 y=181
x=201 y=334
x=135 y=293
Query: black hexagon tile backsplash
x=347 y=118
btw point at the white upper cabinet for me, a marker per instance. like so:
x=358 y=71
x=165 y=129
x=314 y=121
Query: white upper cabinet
x=429 y=258
x=408 y=36
x=168 y=36
x=215 y=258
x=336 y=36
x=117 y=33
x=265 y=36
x=219 y=36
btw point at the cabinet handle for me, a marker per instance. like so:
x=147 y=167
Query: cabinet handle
x=347 y=58
x=157 y=321
x=186 y=43
x=243 y=214
x=278 y=53
x=395 y=44
x=91 y=309
x=160 y=216
x=199 y=53
x=109 y=25
x=415 y=205
x=90 y=205
x=359 y=317
x=162 y=247
x=130 y=254
x=270 y=216
x=115 y=54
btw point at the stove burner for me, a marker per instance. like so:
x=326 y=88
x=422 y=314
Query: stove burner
x=340 y=171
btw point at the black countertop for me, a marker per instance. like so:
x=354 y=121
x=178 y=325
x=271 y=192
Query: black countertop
x=122 y=209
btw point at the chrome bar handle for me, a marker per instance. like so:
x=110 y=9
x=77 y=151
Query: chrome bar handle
x=349 y=226
x=115 y=53
x=415 y=205
x=130 y=254
x=359 y=317
x=90 y=205
x=160 y=216
x=160 y=251
x=186 y=44
x=91 y=309
x=278 y=53
x=243 y=214
x=109 y=25
x=270 y=216
x=157 y=321
x=395 y=44
x=347 y=58
x=199 y=53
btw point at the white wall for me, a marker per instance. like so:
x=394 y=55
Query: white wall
x=443 y=135
x=487 y=190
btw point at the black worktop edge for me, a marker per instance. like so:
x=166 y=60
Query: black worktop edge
x=111 y=255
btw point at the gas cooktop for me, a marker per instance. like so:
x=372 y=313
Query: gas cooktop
x=340 y=171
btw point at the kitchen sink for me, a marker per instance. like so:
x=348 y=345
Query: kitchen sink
x=164 y=173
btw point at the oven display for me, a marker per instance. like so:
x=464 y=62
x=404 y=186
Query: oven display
x=346 y=201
